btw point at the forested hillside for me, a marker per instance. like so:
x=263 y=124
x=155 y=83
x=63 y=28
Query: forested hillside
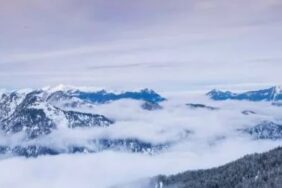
x=257 y=170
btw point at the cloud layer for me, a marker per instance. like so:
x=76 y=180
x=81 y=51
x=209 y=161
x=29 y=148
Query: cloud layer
x=214 y=140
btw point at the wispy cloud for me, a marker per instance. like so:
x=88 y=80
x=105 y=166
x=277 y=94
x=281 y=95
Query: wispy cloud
x=45 y=39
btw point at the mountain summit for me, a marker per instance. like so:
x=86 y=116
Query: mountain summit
x=270 y=94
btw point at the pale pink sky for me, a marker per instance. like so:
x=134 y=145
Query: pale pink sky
x=128 y=43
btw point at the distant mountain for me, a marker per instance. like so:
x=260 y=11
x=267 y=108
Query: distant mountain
x=278 y=104
x=79 y=119
x=270 y=94
x=38 y=113
x=103 y=96
x=265 y=130
x=248 y=112
x=35 y=116
x=252 y=171
x=201 y=106
x=93 y=146
x=75 y=98
x=151 y=106
x=8 y=103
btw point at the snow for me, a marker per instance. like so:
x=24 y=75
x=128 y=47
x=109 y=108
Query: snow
x=212 y=138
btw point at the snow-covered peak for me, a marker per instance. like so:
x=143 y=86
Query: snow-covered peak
x=269 y=94
x=2 y=91
x=277 y=90
x=62 y=87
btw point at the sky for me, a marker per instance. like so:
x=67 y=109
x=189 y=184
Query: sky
x=163 y=44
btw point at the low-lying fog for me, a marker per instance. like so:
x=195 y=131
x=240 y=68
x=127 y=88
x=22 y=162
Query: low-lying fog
x=201 y=138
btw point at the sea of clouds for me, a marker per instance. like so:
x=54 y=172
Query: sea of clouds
x=200 y=138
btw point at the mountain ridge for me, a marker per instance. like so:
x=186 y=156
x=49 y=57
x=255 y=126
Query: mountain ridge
x=270 y=94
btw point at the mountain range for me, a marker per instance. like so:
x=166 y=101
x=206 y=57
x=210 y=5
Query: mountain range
x=269 y=94
x=38 y=113
x=35 y=114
